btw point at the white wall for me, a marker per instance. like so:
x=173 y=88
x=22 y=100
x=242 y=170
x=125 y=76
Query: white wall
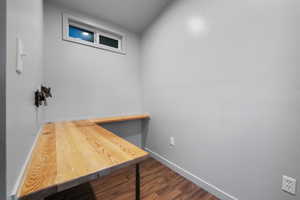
x=222 y=77
x=129 y=130
x=2 y=99
x=25 y=20
x=86 y=81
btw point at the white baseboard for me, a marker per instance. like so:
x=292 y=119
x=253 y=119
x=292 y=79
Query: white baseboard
x=13 y=195
x=193 y=178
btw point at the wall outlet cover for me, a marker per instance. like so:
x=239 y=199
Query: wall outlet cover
x=289 y=184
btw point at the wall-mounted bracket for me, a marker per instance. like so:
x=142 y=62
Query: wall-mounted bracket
x=41 y=96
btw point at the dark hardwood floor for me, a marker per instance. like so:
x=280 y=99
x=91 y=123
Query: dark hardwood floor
x=157 y=183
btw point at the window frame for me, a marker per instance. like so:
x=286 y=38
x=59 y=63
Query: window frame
x=97 y=29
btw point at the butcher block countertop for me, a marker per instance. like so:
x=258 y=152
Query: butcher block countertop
x=70 y=153
x=119 y=118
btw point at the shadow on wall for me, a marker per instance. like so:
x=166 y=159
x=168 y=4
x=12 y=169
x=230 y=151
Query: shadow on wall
x=135 y=131
x=145 y=131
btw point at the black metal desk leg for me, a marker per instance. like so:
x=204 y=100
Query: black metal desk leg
x=137 y=182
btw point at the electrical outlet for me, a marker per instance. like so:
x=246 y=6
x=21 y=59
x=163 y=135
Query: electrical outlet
x=172 y=141
x=289 y=184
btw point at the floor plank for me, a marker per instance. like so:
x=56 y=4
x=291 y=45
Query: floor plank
x=157 y=183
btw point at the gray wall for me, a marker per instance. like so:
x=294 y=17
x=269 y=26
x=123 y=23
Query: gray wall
x=2 y=99
x=222 y=77
x=89 y=82
x=130 y=130
x=25 y=20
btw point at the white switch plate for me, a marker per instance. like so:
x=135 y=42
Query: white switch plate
x=20 y=56
x=172 y=141
x=289 y=184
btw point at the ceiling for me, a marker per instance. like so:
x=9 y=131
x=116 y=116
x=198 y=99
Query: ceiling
x=134 y=15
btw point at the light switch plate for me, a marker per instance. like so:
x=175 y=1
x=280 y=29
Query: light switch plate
x=289 y=184
x=20 y=56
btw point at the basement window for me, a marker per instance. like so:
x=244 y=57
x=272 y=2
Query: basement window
x=108 y=41
x=83 y=32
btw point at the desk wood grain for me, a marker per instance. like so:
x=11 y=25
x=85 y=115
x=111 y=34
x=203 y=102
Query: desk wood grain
x=119 y=118
x=70 y=153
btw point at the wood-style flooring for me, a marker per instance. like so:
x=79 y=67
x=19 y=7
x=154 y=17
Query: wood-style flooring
x=157 y=183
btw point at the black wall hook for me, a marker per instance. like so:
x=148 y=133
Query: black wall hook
x=46 y=91
x=42 y=95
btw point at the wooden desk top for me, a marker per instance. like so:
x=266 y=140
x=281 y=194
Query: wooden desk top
x=119 y=118
x=70 y=153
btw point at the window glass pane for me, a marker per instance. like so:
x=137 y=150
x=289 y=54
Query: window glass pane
x=108 y=41
x=80 y=33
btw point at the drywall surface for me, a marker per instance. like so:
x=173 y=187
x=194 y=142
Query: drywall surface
x=86 y=81
x=24 y=20
x=222 y=77
x=129 y=130
x=2 y=99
